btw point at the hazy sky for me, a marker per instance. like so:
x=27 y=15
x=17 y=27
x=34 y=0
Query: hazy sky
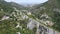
x=27 y=1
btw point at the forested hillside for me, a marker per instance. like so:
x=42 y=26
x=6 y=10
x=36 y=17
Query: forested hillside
x=41 y=18
x=52 y=9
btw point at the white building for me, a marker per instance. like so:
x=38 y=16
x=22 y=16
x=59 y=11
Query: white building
x=18 y=26
x=44 y=15
x=29 y=13
x=18 y=33
x=5 y=17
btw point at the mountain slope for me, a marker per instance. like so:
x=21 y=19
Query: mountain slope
x=16 y=19
x=10 y=17
x=52 y=9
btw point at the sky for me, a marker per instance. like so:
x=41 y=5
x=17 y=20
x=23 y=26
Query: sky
x=27 y=1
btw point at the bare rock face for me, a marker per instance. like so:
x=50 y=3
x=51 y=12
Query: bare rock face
x=32 y=23
x=40 y=28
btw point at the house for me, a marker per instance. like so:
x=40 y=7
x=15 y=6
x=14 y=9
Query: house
x=5 y=17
